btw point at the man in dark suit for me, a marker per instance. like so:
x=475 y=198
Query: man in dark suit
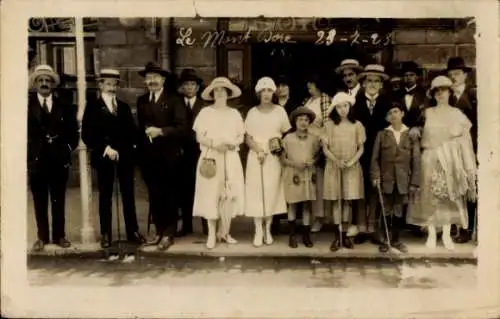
x=52 y=136
x=163 y=127
x=465 y=99
x=190 y=85
x=412 y=95
x=370 y=109
x=395 y=167
x=109 y=130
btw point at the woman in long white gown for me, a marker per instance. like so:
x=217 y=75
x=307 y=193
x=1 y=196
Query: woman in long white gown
x=264 y=122
x=220 y=131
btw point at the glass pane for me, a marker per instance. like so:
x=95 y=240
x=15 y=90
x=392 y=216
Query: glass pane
x=235 y=66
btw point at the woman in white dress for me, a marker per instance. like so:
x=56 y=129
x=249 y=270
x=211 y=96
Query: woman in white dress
x=264 y=123
x=220 y=131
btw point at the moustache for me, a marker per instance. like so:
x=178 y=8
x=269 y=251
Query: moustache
x=44 y=87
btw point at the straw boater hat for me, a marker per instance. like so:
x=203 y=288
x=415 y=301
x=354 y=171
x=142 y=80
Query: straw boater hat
x=343 y=97
x=221 y=82
x=349 y=64
x=301 y=110
x=265 y=83
x=44 y=69
x=374 y=69
x=395 y=79
x=457 y=63
x=440 y=81
x=189 y=75
x=109 y=74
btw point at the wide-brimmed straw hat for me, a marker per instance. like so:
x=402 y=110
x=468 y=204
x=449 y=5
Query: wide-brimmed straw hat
x=440 y=81
x=374 y=69
x=349 y=64
x=302 y=110
x=109 y=73
x=44 y=69
x=221 y=82
x=265 y=83
x=343 y=97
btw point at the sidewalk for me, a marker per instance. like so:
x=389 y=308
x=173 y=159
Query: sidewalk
x=242 y=231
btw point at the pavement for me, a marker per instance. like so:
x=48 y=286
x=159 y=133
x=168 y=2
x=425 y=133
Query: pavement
x=242 y=230
x=276 y=272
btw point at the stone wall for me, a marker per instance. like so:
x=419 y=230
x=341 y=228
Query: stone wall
x=127 y=48
x=432 y=48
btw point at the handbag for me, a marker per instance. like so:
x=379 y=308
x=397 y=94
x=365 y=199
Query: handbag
x=208 y=166
x=275 y=146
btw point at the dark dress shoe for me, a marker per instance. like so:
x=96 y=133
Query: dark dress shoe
x=335 y=245
x=292 y=241
x=136 y=238
x=383 y=248
x=360 y=239
x=347 y=242
x=400 y=246
x=105 y=241
x=155 y=241
x=63 y=242
x=38 y=246
x=165 y=243
x=463 y=238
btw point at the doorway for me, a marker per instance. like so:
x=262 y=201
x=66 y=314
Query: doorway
x=297 y=61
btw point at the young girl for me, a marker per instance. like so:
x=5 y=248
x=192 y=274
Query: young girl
x=299 y=151
x=343 y=146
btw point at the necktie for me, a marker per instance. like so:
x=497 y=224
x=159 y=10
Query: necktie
x=45 y=106
x=153 y=98
x=371 y=105
x=114 y=107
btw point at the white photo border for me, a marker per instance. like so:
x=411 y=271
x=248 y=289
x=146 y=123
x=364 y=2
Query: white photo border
x=21 y=300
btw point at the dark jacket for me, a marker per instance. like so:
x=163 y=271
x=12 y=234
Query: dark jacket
x=395 y=165
x=191 y=114
x=168 y=113
x=467 y=103
x=419 y=101
x=373 y=123
x=101 y=128
x=51 y=136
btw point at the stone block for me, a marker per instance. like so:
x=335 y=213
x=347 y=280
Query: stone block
x=424 y=54
x=111 y=37
x=130 y=95
x=468 y=53
x=200 y=24
x=136 y=37
x=128 y=55
x=466 y=35
x=194 y=57
x=134 y=79
x=440 y=36
x=409 y=36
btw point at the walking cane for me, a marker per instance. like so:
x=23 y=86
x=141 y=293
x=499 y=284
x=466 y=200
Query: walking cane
x=149 y=219
x=262 y=188
x=341 y=193
x=474 y=231
x=379 y=191
x=117 y=199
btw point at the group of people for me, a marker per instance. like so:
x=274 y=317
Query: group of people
x=366 y=160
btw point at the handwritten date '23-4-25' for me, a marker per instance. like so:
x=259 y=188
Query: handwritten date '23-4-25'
x=219 y=38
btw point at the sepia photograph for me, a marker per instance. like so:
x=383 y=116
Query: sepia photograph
x=317 y=152
x=254 y=152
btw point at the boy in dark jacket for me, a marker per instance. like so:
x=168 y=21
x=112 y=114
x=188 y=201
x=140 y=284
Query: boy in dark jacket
x=395 y=168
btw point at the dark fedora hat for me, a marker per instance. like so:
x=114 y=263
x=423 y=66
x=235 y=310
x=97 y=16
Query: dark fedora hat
x=189 y=75
x=457 y=63
x=410 y=66
x=282 y=79
x=152 y=67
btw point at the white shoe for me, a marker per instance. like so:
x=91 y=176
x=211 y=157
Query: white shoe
x=258 y=239
x=230 y=240
x=269 y=238
x=448 y=243
x=316 y=226
x=211 y=241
